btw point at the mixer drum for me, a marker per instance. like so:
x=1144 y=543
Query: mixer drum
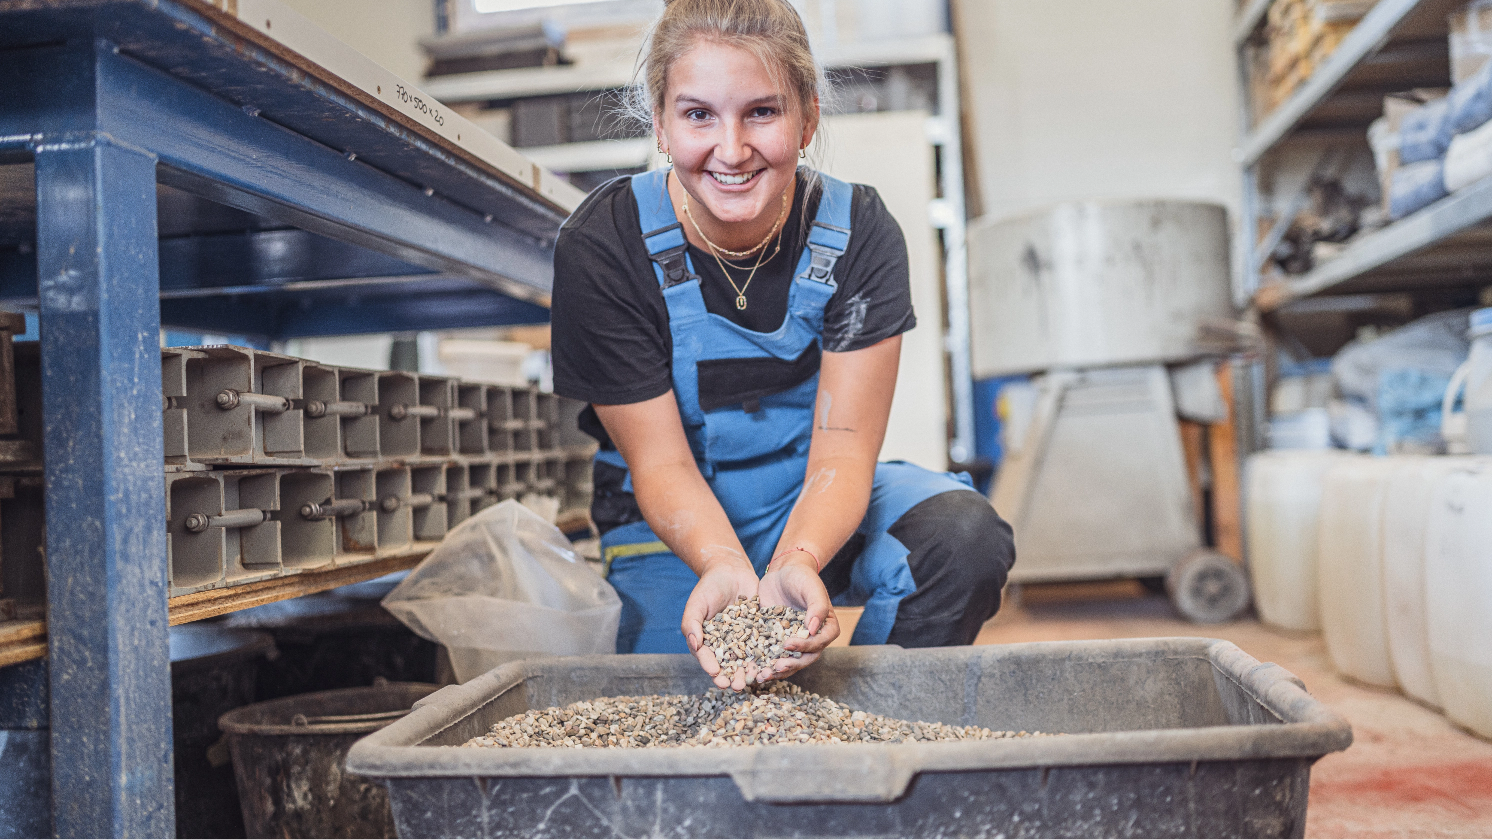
x=1095 y=284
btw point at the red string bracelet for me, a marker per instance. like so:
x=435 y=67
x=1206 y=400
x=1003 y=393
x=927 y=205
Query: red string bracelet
x=816 y=566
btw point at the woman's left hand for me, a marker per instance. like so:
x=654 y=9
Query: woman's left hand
x=795 y=582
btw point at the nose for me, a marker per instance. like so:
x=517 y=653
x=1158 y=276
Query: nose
x=732 y=150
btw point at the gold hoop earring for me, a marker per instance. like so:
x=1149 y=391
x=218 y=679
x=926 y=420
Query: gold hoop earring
x=803 y=153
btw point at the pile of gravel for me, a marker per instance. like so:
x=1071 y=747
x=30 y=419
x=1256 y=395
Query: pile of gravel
x=776 y=713
x=747 y=636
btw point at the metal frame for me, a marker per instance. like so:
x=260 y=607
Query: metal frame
x=1392 y=46
x=125 y=95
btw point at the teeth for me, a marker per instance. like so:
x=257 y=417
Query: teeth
x=733 y=180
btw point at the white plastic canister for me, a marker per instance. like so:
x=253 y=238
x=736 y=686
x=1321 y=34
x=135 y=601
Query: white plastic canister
x=1349 y=568
x=1479 y=383
x=1458 y=592
x=1406 y=511
x=1471 y=431
x=1282 y=512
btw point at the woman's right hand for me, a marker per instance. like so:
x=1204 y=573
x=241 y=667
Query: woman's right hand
x=723 y=581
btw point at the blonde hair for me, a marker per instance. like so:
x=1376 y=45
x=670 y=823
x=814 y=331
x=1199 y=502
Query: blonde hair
x=769 y=29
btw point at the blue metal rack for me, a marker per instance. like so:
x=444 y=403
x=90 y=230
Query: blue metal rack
x=160 y=163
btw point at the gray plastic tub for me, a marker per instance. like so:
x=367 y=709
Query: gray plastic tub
x=1165 y=737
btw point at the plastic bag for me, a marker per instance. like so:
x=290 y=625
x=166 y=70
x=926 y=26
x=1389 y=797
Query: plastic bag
x=1399 y=378
x=1409 y=411
x=1469 y=159
x=1425 y=132
x=1471 y=101
x=1414 y=186
x=1435 y=344
x=506 y=585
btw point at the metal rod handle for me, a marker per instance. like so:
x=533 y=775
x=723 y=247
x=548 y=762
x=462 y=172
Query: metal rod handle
x=196 y=523
x=399 y=411
x=462 y=414
x=229 y=399
x=389 y=504
x=317 y=408
x=332 y=509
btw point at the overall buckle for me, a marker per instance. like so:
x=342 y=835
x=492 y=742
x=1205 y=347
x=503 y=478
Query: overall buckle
x=674 y=265
x=821 y=263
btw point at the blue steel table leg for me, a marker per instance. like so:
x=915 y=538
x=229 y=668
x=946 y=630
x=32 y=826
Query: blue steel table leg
x=107 y=628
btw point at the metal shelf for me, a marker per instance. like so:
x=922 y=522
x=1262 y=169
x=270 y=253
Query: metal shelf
x=229 y=167
x=391 y=178
x=1248 y=20
x=523 y=83
x=1399 y=44
x=1445 y=244
x=23 y=641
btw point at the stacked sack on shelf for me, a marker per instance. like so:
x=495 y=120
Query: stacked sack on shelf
x=1430 y=143
x=1298 y=36
x=1409 y=145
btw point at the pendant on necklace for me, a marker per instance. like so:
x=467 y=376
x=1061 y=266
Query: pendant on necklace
x=741 y=302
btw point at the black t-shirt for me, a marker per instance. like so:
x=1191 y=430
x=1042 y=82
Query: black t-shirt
x=611 y=342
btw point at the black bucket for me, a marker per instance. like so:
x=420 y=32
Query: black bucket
x=213 y=671
x=289 y=756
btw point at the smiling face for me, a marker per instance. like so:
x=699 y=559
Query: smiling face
x=734 y=134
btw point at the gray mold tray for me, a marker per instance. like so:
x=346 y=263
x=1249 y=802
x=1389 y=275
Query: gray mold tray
x=1163 y=738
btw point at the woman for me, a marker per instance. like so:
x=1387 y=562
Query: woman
x=735 y=321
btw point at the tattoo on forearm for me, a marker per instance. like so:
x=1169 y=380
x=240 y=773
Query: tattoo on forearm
x=826 y=403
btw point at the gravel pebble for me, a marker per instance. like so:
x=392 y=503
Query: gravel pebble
x=774 y=713
x=747 y=636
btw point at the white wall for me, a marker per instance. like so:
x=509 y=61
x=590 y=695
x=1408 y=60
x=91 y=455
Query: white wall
x=1074 y=99
x=387 y=31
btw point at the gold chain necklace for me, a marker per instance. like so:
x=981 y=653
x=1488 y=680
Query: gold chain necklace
x=782 y=214
x=741 y=290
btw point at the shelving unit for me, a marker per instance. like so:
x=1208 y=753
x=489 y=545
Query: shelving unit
x=225 y=167
x=1398 y=45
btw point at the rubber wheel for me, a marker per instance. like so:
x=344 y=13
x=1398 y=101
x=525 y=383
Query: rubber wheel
x=1208 y=588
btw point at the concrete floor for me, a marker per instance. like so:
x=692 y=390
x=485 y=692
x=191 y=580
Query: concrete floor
x=1409 y=773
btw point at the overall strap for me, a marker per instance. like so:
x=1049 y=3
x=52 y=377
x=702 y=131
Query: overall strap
x=661 y=231
x=829 y=235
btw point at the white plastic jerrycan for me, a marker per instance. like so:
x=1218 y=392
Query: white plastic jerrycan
x=1349 y=568
x=1458 y=593
x=1471 y=431
x=1282 y=513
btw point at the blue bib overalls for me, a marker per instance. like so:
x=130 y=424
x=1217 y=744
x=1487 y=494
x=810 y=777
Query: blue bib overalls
x=754 y=454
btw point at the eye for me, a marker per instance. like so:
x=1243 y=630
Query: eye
x=762 y=112
x=696 y=114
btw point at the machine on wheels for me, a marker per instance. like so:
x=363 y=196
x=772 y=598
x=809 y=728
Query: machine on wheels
x=1104 y=305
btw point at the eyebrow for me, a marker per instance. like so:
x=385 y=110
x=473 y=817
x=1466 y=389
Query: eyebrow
x=774 y=99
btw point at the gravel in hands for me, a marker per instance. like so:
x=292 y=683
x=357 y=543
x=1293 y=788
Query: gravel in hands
x=776 y=713
x=749 y=637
